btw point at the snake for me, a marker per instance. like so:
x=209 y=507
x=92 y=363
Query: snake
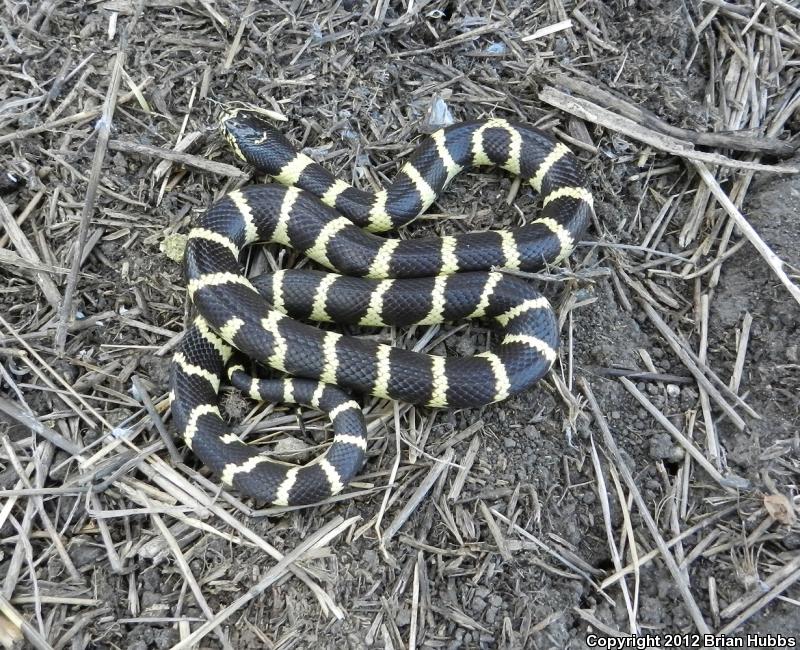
x=369 y=280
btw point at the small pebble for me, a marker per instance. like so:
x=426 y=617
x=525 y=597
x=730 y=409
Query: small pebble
x=289 y=446
x=496 y=48
x=531 y=431
x=661 y=447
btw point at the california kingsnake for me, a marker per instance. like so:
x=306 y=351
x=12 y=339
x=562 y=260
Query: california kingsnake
x=383 y=282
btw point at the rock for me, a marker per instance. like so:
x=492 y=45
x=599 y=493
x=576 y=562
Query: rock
x=478 y=604
x=660 y=446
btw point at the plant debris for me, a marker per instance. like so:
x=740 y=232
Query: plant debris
x=647 y=486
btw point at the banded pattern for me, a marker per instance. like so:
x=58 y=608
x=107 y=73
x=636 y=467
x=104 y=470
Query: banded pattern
x=376 y=282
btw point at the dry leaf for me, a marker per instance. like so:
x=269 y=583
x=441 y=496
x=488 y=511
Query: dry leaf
x=780 y=508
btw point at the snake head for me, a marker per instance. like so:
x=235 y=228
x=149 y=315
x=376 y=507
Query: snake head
x=247 y=130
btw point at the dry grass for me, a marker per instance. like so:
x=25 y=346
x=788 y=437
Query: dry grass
x=110 y=536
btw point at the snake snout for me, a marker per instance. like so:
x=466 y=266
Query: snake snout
x=241 y=124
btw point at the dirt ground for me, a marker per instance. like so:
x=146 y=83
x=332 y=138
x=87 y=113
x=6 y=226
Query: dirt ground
x=648 y=486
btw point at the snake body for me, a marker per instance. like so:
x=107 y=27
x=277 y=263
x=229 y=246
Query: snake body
x=377 y=281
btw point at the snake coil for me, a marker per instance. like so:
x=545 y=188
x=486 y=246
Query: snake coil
x=377 y=281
